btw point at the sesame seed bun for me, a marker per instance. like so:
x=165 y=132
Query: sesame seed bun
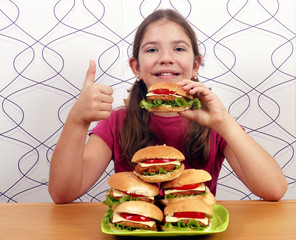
x=129 y=182
x=140 y=208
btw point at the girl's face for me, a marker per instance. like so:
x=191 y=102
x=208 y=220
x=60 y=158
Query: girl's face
x=165 y=54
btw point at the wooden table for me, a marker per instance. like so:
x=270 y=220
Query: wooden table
x=43 y=221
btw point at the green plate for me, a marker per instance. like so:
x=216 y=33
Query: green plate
x=219 y=224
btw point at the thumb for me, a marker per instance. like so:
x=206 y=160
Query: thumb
x=90 y=75
x=187 y=114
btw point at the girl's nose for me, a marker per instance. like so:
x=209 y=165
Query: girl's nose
x=166 y=57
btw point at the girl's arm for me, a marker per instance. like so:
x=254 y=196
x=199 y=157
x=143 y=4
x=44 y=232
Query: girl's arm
x=251 y=163
x=256 y=168
x=74 y=166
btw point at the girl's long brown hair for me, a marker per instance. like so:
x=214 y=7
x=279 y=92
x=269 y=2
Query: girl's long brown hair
x=136 y=133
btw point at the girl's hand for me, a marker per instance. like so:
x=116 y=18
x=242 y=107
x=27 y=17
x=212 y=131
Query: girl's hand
x=95 y=100
x=212 y=114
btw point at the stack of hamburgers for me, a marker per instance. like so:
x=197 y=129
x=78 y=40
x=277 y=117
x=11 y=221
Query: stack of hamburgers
x=135 y=202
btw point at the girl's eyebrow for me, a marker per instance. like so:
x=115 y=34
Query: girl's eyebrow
x=174 y=43
x=149 y=43
x=182 y=42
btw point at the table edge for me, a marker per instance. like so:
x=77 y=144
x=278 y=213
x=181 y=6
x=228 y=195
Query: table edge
x=286 y=201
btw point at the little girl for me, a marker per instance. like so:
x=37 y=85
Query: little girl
x=165 y=49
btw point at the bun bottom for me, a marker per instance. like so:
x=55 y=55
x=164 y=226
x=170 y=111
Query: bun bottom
x=119 y=230
x=162 y=177
x=168 y=109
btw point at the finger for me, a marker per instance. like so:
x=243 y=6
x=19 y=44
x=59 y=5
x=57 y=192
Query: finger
x=106 y=89
x=107 y=99
x=182 y=83
x=195 y=88
x=103 y=115
x=102 y=112
x=90 y=75
x=185 y=82
x=187 y=114
x=105 y=107
x=200 y=91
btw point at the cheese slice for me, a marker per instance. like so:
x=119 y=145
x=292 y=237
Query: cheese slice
x=175 y=219
x=117 y=193
x=147 y=165
x=118 y=218
x=201 y=188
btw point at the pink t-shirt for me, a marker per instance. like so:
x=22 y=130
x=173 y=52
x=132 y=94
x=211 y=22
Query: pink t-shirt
x=171 y=130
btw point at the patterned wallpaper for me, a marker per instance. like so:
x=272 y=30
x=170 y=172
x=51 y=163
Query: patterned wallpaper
x=249 y=61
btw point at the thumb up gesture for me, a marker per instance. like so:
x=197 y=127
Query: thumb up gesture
x=95 y=100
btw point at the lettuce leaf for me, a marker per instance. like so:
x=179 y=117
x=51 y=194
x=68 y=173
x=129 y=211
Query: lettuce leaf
x=111 y=201
x=161 y=171
x=176 y=196
x=108 y=216
x=196 y=104
x=181 y=226
x=178 y=102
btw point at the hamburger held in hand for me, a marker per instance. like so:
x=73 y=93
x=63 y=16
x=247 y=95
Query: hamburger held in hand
x=126 y=186
x=168 y=97
x=158 y=163
x=189 y=185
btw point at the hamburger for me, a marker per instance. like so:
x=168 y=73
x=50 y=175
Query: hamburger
x=135 y=215
x=187 y=215
x=168 y=97
x=158 y=163
x=126 y=186
x=189 y=185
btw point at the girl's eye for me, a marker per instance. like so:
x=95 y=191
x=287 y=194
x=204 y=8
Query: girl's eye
x=151 y=50
x=179 y=49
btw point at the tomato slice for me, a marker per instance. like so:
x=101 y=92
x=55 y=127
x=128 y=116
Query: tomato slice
x=189 y=215
x=163 y=91
x=153 y=161
x=135 y=217
x=187 y=187
x=133 y=194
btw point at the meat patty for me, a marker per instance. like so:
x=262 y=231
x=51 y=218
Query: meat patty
x=138 y=225
x=189 y=192
x=154 y=168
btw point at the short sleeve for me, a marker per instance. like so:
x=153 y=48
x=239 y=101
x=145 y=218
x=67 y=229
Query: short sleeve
x=104 y=131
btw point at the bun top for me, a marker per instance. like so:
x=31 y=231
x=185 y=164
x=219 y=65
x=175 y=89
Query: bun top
x=189 y=205
x=189 y=176
x=157 y=152
x=170 y=86
x=140 y=207
x=128 y=181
